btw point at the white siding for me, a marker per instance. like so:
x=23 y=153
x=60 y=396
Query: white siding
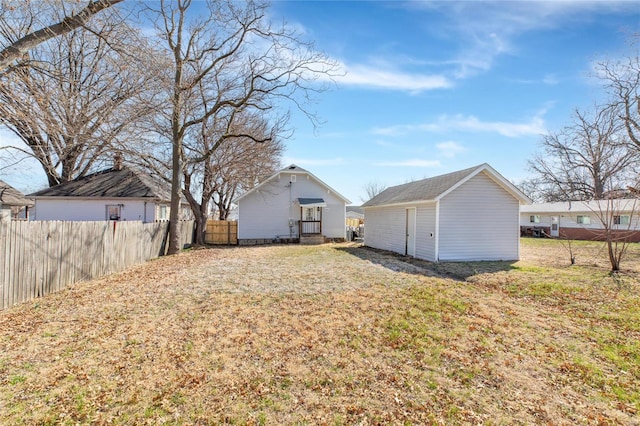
x=479 y=221
x=265 y=213
x=385 y=228
x=66 y=208
x=426 y=232
x=5 y=212
x=570 y=219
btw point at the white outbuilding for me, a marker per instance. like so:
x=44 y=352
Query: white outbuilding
x=468 y=215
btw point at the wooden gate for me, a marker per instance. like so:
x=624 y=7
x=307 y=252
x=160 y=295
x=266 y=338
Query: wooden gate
x=221 y=232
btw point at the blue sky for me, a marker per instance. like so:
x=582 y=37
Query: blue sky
x=434 y=87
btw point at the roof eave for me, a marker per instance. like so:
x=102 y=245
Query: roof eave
x=402 y=204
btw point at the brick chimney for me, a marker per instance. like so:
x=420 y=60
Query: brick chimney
x=117 y=161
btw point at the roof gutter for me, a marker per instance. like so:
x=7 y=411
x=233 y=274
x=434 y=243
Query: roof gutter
x=403 y=204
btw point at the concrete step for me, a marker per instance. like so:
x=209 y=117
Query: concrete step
x=312 y=239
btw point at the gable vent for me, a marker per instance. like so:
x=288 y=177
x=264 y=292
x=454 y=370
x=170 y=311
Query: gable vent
x=293 y=178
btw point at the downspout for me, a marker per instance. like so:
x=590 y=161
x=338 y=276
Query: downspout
x=290 y=210
x=145 y=212
x=437 y=232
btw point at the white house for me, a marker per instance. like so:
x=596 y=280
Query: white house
x=582 y=220
x=292 y=205
x=118 y=193
x=468 y=215
x=13 y=204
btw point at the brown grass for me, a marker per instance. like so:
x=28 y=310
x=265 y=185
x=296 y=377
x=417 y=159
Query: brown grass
x=332 y=334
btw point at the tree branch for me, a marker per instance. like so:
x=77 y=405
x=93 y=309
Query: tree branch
x=17 y=49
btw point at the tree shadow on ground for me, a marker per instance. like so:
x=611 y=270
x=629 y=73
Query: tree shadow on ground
x=459 y=271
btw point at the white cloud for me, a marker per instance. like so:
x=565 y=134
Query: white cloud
x=313 y=161
x=409 y=163
x=535 y=126
x=388 y=78
x=450 y=149
x=485 y=30
x=384 y=143
x=549 y=79
x=469 y=123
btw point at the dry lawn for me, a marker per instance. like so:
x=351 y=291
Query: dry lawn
x=332 y=334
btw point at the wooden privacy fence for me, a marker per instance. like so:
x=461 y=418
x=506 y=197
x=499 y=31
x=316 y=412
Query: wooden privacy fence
x=221 y=232
x=41 y=257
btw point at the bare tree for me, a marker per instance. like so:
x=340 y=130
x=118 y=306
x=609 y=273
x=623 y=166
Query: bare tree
x=586 y=159
x=622 y=79
x=240 y=165
x=225 y=161
x=80 y=95
x=13 y=50
x=372 y=189
x=618 y=218
x=227 y=62
x=535 y=190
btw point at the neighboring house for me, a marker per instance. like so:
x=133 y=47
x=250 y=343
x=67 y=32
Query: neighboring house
x=582 y=220
x=292 y=205
x=468 y=215
x=13 y=204
x=355 y=216
x=119 y=193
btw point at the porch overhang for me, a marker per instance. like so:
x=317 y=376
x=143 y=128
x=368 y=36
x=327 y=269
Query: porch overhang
x=312 y=202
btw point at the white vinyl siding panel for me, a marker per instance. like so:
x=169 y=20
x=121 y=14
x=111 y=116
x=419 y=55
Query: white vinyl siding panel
x=570 y=220
x=265 y=213
x=5 y=212
x=385 y=228
x=68 y=208
x=426 y=232
x=479 y=221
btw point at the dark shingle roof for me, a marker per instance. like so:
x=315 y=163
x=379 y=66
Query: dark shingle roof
x=12 y=197
x=420 y=190
x=111 y=183
x=307 y=201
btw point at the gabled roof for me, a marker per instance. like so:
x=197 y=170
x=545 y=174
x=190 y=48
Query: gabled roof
x=111 y=183
x=293 y=169
x=12 y=197
x=435 y=188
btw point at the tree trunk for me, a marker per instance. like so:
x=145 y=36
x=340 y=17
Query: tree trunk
x=176 y=192
x=200 y=228
x=199 y=211
x=613 y=258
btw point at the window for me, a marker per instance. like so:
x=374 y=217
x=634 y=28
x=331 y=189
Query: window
x=162 y=213
x=534 y=219
x=583 y=220
x=310 y=213
x=114 y=212
x=621 y=220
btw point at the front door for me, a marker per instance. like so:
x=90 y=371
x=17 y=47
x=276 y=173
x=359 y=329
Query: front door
x=555 y=226
x=311 y=222
x=410 y=241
